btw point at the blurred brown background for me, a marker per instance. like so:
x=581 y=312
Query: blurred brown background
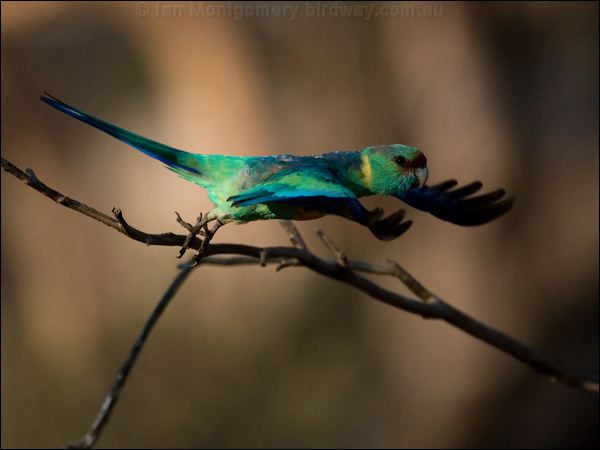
x=505 y=93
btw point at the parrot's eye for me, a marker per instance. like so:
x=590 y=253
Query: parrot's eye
x=400 y=160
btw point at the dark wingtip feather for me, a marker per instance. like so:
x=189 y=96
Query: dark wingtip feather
x=459 y=206
x=389 y=234
x=484 y=198
x=484 y=213
x=390 y=227
x=467 y=189
x=444 y=185
x=392 y=219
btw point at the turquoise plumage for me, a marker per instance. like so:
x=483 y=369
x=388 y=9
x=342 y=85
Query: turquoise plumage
x=293 y=187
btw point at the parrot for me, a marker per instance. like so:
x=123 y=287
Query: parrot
x=290 y=187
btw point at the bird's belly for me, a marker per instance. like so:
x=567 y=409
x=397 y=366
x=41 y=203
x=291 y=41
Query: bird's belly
x=298 y=213
x=274 y=211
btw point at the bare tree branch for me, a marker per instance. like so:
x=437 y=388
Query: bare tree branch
x=293 y=233
x=428 y=306
x=339 y=255
x=112 y=397
x=92 y=436
x=29 y=177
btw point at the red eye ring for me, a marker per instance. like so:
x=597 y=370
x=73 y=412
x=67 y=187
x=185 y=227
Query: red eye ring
x=420 y=161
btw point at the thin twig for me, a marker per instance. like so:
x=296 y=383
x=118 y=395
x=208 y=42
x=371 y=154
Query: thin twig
x=111 y=399
x=411 y=283
x=200 y=223
x=183 y=223
x=424 y=307
x=166 y=239
x=285 y=263
x=293 y=234
x=339 y=255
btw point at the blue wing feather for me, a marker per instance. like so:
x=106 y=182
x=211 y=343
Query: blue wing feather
x=295 y=188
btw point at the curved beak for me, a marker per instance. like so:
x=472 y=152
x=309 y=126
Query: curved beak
x=421 y=173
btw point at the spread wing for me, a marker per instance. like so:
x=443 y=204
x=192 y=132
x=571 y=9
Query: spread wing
x=459 y=206
x=320 y=189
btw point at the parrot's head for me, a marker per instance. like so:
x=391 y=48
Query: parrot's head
x=392 y=169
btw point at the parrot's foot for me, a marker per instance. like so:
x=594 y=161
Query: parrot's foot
x=201 y=228
x=389 y=227
x=188 y=226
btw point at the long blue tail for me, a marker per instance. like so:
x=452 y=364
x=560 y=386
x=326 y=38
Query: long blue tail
x=184 y=163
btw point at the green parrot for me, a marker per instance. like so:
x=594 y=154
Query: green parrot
x=248 y=188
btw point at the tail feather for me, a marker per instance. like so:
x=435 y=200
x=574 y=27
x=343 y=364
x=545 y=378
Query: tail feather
x=183 y=163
